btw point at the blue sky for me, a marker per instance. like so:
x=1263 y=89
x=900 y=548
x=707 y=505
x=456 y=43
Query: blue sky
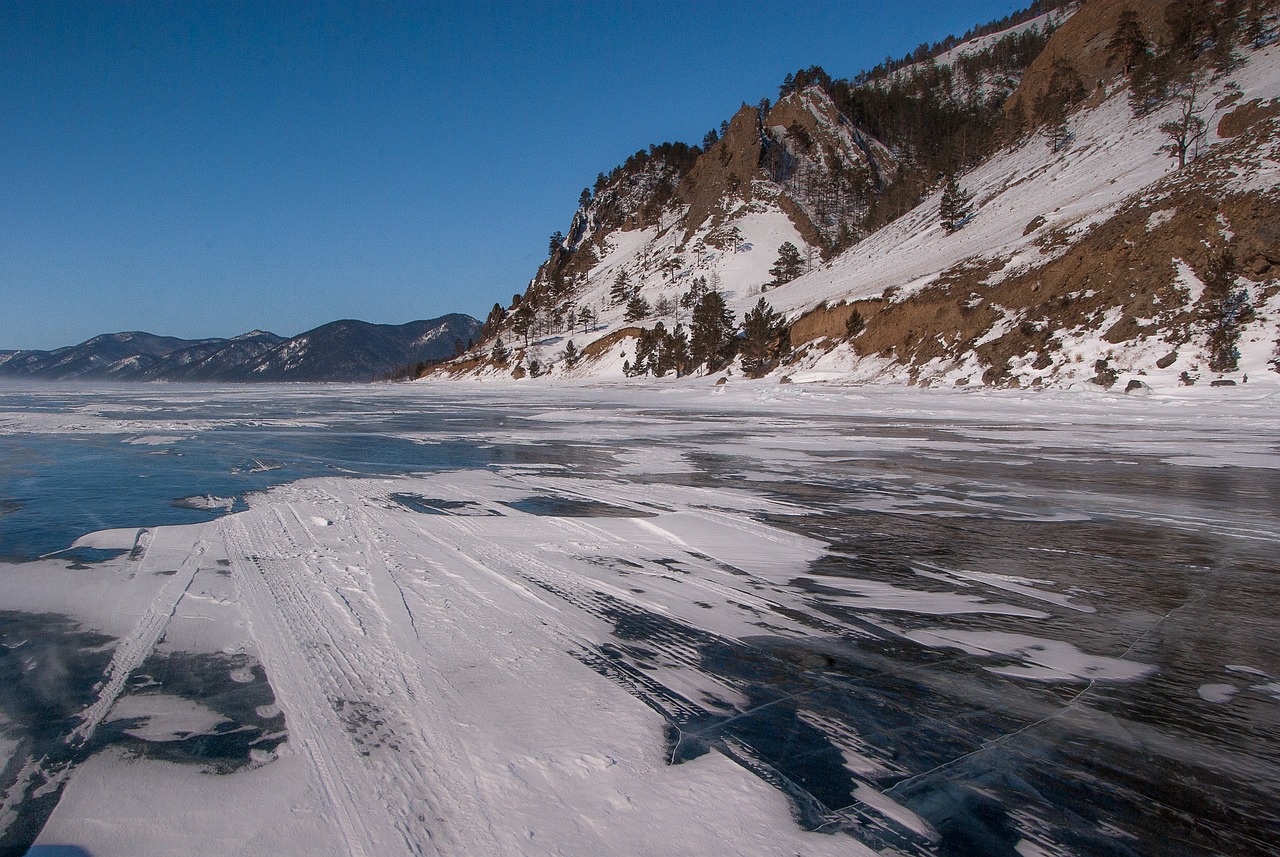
x=203 y=169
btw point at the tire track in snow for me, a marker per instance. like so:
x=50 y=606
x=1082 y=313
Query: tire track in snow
x=273 y=613
x=366 y=719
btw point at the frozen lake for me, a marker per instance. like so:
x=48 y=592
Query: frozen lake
x=752 y=619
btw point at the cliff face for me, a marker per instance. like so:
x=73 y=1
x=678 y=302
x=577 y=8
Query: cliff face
x=1082 y=41
x=828 y=171
x=803 y=158
x=725 y=174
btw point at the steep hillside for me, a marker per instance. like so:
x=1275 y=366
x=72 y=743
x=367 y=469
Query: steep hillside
x=1087 y=254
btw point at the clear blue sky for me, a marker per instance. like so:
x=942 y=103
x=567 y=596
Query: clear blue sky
x=202 y=169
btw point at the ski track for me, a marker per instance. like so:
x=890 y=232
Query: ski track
x=134 y=649
x=130 y=652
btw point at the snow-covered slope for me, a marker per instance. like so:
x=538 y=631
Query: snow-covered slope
x=1084 y=264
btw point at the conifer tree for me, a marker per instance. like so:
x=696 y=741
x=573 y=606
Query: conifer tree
x=711 y=340
x=620 y=293
x=1128 y=46
x=1258 y=26
x=1149 y=83
x=522 y=321
x=762 y=337
x=645 y=344
x=637 y=308
x=854 y=324
x=697 y=289
x=664 y=358
x=499 y=355
x=1054 y=105
x=789 y=265
x=678 y=343
x=571 y=354
x=1226 y=36
x=1226 y=309
x=1184 y=130
x=956 y=207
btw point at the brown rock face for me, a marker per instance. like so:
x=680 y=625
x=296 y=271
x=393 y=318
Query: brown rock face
x=1245 y=116
x=828 y=170
x=724 y=173
x=830 y=322
x=1082 y=40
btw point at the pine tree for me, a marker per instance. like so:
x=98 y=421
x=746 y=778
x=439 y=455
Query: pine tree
x=697 y=289
x=1258 y=26
x=711 y=342
x=571 y=354
x=499 y=355
x=1226 y=36
x=522 y=321
x=1150 y=81
x=762 y=337
x=956 y=206
x=1128 y=46
x=556 y=242
x=664 y=358
x=637 y=308
x=678 y=342
x=1053 y=107
x=789 y=265
x=1226 y=309
x=621 y=291
x=854 y=324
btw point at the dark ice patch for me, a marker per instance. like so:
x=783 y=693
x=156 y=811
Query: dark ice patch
x=436 y=506
x=555 y=506
x=205 y=678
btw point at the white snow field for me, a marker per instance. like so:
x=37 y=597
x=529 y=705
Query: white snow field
x=753 y=619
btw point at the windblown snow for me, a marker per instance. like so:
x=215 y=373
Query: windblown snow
x=672 y=623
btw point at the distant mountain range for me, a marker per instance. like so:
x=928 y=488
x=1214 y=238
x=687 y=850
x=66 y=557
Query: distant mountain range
x=345 y=350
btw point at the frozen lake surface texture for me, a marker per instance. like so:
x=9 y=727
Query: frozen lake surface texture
x=737 y=620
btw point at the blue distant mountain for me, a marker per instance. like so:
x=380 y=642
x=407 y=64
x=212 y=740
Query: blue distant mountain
x=346 y=350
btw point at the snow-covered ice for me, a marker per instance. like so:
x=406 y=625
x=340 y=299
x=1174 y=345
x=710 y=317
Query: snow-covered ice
x=764 y=621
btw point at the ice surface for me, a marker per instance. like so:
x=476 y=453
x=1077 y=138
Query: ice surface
x=653 y=621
